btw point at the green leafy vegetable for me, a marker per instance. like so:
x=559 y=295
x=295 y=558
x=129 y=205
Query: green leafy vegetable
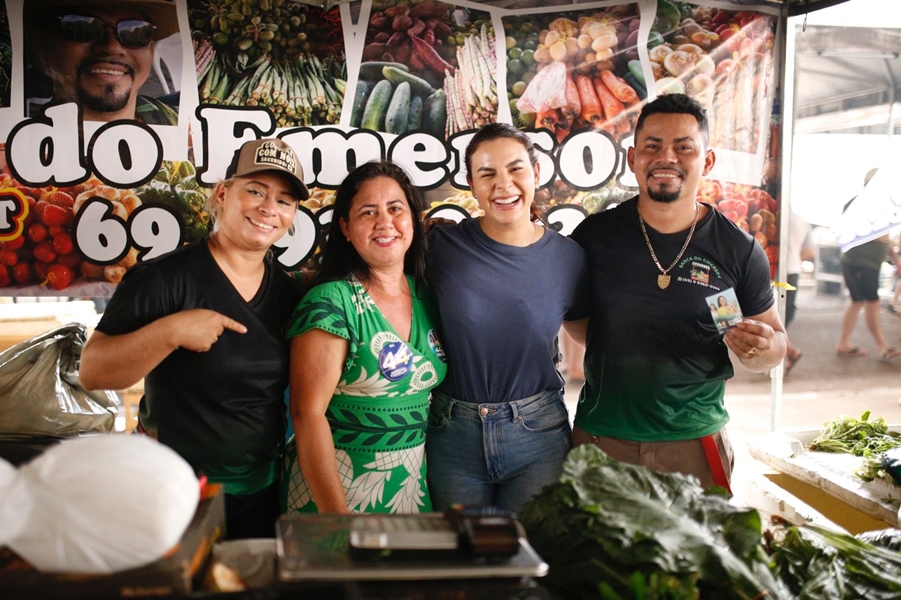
x=815 y=562
x=175 y=186
x=667 y=17
x=612 y=530
x=859 y=437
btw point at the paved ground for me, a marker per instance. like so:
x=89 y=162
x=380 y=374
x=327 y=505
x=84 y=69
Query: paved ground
x=821 y=387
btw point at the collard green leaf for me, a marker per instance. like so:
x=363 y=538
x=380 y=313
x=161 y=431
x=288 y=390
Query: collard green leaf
x=860 y=437
x=815 y=562
x=632 y=519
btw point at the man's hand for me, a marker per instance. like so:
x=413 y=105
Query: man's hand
x=759 y=342
x=200 y=328
x=749 y=338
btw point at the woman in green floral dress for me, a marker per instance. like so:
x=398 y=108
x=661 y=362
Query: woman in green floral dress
x=364 y=354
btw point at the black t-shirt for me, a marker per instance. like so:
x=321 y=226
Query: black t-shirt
x=655 y=365
x=222 y=410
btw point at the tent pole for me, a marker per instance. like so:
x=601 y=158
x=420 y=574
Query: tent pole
x=891 y=103
x=785 y=58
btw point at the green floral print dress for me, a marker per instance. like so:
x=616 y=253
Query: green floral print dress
x=379 y=412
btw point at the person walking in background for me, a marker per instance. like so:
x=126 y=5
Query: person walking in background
x=893 y=305
x=800 y=248
x=655 y=363
x=860 y=268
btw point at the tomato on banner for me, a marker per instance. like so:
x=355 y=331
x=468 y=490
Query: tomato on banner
x=97 y=189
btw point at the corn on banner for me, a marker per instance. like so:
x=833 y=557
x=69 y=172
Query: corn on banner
x=118 y=116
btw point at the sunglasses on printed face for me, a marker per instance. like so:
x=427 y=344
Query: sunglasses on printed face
x=131 y=33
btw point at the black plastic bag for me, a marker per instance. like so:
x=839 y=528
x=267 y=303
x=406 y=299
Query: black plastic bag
x=40 y=394
x=891 y=462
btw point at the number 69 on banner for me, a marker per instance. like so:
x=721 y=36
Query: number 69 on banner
x=104 y=238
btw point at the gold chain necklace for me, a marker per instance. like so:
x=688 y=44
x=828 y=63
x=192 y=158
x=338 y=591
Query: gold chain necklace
x=663 y=279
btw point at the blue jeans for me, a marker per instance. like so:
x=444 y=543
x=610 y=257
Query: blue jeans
x=495 y=454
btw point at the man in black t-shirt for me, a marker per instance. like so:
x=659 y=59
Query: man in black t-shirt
x=655 y=364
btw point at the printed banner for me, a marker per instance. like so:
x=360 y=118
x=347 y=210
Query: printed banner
x=119 y=117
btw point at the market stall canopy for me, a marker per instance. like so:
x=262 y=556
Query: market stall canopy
x=848 y=69
x=800 y=7
x=795 y=7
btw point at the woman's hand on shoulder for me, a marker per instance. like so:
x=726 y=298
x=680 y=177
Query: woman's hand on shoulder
x=430 y=222
x=198 y=329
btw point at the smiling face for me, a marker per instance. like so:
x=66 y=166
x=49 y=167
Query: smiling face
x=379 y=224
x=104 y=76
x=255 y=211
x=503 y=181
x=670 y=157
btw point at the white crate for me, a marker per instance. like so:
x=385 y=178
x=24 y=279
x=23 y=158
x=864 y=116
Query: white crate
x=833 y=473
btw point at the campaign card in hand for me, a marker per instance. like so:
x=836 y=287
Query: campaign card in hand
x=724 y=309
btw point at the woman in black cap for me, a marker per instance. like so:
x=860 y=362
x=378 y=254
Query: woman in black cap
x=203 y=327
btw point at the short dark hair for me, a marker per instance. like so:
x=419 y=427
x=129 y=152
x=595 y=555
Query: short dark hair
x=676 y=104
x=339 y=258
x=496 y=131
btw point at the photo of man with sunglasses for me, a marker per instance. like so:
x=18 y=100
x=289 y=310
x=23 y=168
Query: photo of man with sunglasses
x=99 y=53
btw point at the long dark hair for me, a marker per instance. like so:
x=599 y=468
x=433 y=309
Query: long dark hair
x=496 y=131
x=339 y=258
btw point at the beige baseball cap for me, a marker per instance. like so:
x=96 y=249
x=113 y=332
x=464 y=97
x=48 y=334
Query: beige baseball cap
x=269 y=154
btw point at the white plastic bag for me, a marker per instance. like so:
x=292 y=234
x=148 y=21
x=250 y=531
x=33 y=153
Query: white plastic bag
x=546 y=91
x=97 y=505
